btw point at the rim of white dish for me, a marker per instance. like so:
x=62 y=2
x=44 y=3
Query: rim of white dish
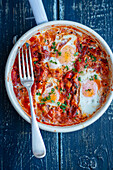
x=13 y=99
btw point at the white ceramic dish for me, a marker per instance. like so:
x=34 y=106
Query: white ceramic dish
x=9 y=86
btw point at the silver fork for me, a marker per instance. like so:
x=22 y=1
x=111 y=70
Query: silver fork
x=27 y=81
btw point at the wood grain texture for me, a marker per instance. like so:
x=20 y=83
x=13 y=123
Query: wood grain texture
x=15 y=134
x=92 y=147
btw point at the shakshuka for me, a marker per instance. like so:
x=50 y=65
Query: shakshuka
x=71 y=76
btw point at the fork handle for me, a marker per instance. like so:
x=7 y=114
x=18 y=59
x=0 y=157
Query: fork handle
x=38 y=11
x=38 y=146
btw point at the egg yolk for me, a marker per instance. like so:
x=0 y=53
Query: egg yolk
x=67 y=53
x=49 y=96
x=89 y=88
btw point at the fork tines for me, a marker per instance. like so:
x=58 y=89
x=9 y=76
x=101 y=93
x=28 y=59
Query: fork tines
x=25 y=65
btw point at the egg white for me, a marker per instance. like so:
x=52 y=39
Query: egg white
x=53 y=65
x=51 y=83
x=89 y=105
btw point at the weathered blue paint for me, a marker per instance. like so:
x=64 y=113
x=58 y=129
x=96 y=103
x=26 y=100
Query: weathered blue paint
x=90 y=148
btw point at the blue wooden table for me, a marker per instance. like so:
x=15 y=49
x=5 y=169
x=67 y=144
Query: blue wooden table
x=90 y=148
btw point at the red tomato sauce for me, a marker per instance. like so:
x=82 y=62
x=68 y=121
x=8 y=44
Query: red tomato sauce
x=57 y=80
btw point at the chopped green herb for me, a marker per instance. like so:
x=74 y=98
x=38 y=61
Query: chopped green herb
x=79 y=78
x=88 y=90
x=44 y=40
x=76 y=85
x=55 y=49
x=81 y=46
x=53 y=43
x=42 y=111
x=56 y=87
x=53 y=61
x=52 y=101
x=61 y=89
x=39 y=53
x=43 y=99
x=94 y=59
x=91 y=78
x=41 y=103
x=35 y=62
x=48 y=97
x=95 y=76
x=86 y=66
x=73 y=61
x=74 y=70
x=59 y=53
x=76 y=54
x=68 y=97
x=52 y=90
x=67 y=67
x=38 y=94
x=58 y=103
x=86 y=60
x=81 y=72
x=64 y=105
x=79 y=60
x=76 y=113
x=91 y=56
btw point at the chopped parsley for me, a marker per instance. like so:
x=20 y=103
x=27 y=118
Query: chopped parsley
x=55 y=49
x=76 y=85
x=88 y=90
x=38 y=94
x=56 y=87
x=51 y=61
x=73 y=61
x=44 y=40
x=53 y=43
x=95 y=76
x=93 y=58
x=39 y=53
x=61 y=89
x=81 y=46
x=80 y=72
x=58 y=103
x=43 y=99
x=48 y=97
x=41 y=103
x=68 y=97
x=79 y=60
x=59 y=53
x=67 y=67
x=52 y=90
x=91 y=78
x=64 y=104
x=86 y=60
x=79 y=78
x=76 y=113
x=76 y=54
x=86 y=66
x=52 y=101
x=74 y=70
x=35 y=62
